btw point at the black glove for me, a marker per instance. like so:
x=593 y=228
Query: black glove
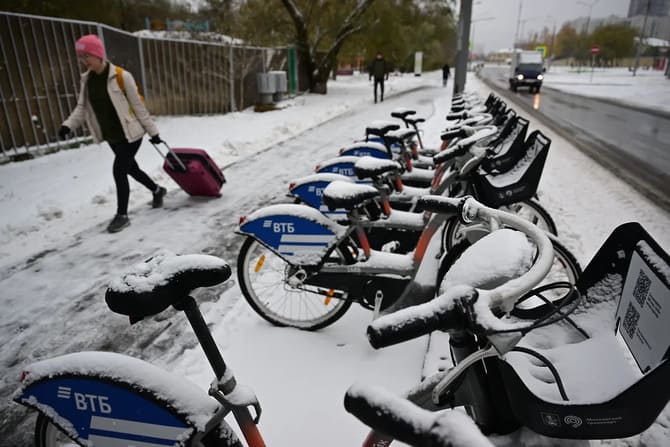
x=156 y=139
x=63 y=132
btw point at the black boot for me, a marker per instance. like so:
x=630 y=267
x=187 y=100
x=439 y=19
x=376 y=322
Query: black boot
x=158 y=197
x=119 y=222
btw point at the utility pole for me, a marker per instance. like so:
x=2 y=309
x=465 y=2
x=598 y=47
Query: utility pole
x=462 y=45
x=518 y=21
x=639 y=42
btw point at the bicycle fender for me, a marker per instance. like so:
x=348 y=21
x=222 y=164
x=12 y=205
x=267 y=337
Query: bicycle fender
x=369 y=148
x=297 y=233
x=341 y=165
x=310 y=191
x=105 y=398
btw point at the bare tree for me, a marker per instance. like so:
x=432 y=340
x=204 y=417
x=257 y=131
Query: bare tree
x=310 y=37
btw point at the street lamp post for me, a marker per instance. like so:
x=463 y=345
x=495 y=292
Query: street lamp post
x=464 y=18
x=639 y=41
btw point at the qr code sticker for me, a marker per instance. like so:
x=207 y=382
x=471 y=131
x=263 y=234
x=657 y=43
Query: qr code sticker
x=641 y=288
x=630 y=320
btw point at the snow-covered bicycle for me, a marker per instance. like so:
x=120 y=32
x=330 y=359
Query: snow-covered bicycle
x=595 y=367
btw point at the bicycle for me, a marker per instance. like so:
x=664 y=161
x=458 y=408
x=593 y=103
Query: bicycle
x=109 y=399
x=493 y=378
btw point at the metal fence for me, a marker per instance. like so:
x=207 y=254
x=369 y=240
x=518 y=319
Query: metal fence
x=39 y=76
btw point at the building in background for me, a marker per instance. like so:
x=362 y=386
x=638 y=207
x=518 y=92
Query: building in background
x=657 y=8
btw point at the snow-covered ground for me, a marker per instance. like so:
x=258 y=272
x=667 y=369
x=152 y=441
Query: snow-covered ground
x=648 y=88
x=56 y=258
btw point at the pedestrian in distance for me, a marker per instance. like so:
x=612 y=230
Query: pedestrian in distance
x=445 y=74
x=379 y=71
x=113 y=110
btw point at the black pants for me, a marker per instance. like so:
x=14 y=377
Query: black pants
x=380 y=82
x=125 y=165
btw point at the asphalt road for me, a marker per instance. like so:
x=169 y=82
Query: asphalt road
x=633 y=142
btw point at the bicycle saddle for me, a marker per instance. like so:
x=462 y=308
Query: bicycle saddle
x=347 y=195
x=154 y=285
x=400 y=134
x=402 y=113
x=381 y=128
x=368 y=167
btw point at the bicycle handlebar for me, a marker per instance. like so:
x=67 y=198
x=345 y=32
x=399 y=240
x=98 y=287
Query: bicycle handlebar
x=415 y=321
x=408 y=423
x=443 y=312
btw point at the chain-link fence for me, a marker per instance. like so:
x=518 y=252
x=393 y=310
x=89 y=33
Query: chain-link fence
x=39 y=76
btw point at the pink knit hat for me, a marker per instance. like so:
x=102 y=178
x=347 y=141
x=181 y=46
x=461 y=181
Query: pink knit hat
x=90 y=44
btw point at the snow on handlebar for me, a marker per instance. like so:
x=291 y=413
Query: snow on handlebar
x=445 y=311
x=406 y=422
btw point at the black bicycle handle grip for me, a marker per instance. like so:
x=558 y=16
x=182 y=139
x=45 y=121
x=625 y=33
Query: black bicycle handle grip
x=388 y=414
x=404 y=421
x=451 y=133
x=440 y=204
x=449 y=154
x=457 y=115
x=415 y=321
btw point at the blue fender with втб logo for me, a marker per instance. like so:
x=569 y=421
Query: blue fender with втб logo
x=104 y=412
x=310 y=191
x=297 y=233
x=344 y=165
x=363 y=149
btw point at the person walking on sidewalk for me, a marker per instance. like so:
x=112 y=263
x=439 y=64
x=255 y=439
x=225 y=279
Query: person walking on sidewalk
x=114 y=112
x=445 y=74
x=379 y=71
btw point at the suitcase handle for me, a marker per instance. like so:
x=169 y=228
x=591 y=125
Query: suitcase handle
x=167 y=157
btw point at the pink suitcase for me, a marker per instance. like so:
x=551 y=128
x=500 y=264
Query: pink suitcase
x=194 y=171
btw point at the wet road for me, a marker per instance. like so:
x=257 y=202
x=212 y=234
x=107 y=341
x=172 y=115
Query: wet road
x=633 y=142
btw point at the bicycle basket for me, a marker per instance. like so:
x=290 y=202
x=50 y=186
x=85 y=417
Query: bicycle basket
x=520 y=182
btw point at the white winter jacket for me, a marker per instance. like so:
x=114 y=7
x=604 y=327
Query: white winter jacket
x=132 y=113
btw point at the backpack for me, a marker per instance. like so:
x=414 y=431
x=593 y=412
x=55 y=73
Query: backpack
x=119 y=80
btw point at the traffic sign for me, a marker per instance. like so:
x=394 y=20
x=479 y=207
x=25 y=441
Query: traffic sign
x=595 y=49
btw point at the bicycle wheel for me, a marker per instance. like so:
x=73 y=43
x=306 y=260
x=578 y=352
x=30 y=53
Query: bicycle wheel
x=528 y=209
x=48 y=435
x=565 y=268
x=264 y=280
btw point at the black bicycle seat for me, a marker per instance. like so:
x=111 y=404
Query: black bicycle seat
x=402 y=113
x=381 y=128
x=347 y=195
x=415 y=120
x=368 y=167
x=161 y=281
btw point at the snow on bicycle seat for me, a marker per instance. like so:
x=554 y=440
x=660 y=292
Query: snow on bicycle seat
x=380 y=128
x=402 y=112
x=400 y=134
x=161 y=281
x=369 y=167
x=347 y=195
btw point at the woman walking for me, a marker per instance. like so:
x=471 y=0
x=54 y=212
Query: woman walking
x=114 y=112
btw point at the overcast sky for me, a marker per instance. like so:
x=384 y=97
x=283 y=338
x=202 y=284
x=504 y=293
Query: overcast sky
x=492 y=35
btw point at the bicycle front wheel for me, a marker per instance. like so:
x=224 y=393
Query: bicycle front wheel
x=264 y=280
x=527 y=209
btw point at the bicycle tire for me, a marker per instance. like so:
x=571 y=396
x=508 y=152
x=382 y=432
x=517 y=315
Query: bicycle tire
x=48 y=435
x=282 y=299
x=539 y=216
x=566 y=268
